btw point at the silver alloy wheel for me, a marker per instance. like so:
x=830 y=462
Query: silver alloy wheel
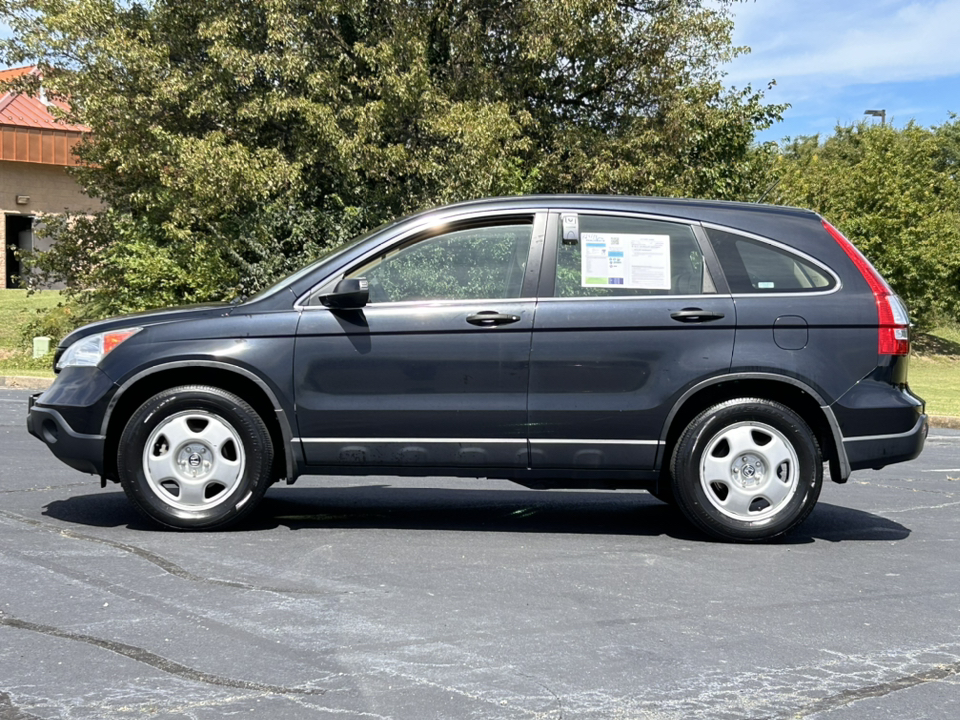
x=749 y=471
x=193 y=460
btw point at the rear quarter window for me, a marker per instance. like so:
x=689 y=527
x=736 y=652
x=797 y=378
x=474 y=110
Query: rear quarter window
x=756 y=267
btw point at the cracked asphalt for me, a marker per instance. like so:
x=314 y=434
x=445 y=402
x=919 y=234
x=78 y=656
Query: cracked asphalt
x=443 y=598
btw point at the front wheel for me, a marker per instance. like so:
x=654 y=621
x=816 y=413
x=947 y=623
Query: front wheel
x=747 y=469
x=195 y=457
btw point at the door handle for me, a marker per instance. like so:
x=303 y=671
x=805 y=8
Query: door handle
x=491 y=318
x=695 y=315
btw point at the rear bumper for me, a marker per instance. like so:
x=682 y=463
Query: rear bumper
x=877 y=451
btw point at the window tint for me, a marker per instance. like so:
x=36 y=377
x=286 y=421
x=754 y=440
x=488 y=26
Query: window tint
x=472 y=264
x=752 y=266
x=642 y=257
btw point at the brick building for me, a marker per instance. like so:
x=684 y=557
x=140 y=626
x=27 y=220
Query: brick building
x=35 y=151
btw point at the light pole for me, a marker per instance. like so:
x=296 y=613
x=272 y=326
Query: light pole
x=882 y=114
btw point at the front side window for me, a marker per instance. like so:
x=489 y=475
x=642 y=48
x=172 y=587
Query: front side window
x=752 y=266
x=609 y=256
x=469 y=264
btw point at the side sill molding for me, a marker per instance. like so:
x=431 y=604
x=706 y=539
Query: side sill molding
x=478 y=441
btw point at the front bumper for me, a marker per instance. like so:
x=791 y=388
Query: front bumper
x=68 y=417
x=79 y=451
x=877 y=451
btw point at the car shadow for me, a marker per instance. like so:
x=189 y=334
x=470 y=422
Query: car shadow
x=445 y=509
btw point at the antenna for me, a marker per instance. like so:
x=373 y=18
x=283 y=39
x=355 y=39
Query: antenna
x=768 y=190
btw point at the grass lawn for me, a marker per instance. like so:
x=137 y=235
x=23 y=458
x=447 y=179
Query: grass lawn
x=938 y=382
x=934 y=367
x=935 y=370
x=17 y=308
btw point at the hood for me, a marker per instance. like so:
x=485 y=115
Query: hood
x=149 y=317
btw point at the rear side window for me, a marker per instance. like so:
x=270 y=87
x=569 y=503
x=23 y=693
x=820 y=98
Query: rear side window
x=613 y=256
x=753 y=266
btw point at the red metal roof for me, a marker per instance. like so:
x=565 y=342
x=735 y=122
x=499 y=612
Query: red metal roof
x=29 y=132
x=25 y=111
x=28 y=112
x=7 y=75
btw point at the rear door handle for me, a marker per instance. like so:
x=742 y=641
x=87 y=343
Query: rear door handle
x=695 y=315
x=491 y=318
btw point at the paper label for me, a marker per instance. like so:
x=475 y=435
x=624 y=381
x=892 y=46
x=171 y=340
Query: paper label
x=640 y=262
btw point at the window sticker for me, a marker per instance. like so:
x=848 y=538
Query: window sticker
x=640 y=262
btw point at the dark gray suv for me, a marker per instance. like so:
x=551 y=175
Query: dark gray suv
x=715 y=354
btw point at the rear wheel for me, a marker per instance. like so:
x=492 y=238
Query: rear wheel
x=747 y=469
x=195 y=457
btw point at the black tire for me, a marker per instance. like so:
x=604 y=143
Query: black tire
x=747 y=470
x=195 y=458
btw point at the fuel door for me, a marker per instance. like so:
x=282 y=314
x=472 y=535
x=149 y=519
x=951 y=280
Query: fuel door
x=790 y=332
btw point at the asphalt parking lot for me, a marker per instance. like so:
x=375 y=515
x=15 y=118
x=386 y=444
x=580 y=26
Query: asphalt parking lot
x=387 y=598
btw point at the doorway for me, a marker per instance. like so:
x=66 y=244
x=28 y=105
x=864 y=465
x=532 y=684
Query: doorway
x=19 y=234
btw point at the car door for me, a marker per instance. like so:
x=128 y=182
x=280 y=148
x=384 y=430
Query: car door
x=629 y=318
x=433 y=372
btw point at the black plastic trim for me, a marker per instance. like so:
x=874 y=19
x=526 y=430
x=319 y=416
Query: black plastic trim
x=845 y=467
x=78 y=450
x=293 y=467
x=711 y=260
x=544 y=477
x=881 y=450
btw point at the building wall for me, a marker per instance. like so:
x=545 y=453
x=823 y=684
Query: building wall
x=50 y=189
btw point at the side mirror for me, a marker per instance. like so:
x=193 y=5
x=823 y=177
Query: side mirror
x=349 y=294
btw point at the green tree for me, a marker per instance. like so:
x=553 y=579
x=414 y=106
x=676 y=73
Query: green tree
x=234 y=140
x=895 y=194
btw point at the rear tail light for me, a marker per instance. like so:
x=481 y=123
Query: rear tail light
x=893 y=323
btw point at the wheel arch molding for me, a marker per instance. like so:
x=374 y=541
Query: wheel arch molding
x=139 y=387
x=794 y=393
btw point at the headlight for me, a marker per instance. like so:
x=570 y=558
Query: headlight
x=92 y=349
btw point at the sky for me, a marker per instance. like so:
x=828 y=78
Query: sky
x=833 y=59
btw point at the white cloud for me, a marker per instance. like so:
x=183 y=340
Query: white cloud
x=823 y=44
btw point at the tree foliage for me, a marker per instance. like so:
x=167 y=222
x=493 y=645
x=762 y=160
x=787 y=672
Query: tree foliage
x=895 y=193
x=234 y=139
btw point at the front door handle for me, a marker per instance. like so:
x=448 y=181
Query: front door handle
x=695 y=315
x=491 y=318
